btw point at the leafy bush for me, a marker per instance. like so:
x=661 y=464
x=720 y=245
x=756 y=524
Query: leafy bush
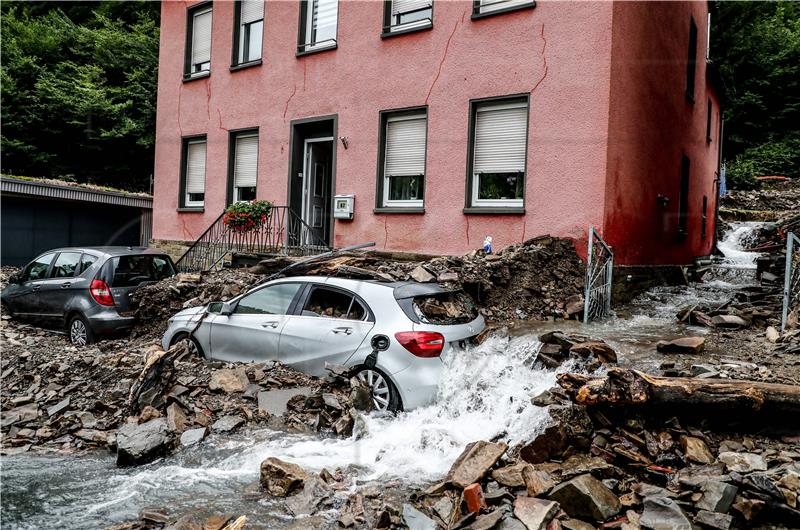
x=773 y=158
x=247 y=216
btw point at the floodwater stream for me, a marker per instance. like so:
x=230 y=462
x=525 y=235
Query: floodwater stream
x=485 y=394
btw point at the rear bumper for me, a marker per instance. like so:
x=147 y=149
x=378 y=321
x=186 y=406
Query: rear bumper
x=108 y=321
x=419 y=382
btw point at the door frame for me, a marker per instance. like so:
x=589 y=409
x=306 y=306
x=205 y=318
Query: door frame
x=307 y=186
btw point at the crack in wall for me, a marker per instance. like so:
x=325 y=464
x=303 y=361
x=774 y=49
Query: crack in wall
x=385 y=232
x=444 y=56
x=544 y=60
x=180 y=93
x=208 y=99
x=286 y=107
x=219 y=114
x=466 y=228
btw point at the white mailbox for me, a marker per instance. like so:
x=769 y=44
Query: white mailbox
x=343 y=206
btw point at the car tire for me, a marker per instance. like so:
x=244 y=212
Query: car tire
x=5 y=310
x=385 y=395
x=79 y=331
x=192 y=343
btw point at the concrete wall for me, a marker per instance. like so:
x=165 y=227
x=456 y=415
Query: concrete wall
x=652 y=123
x=558 y=51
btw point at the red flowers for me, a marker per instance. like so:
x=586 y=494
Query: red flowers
x=247 y=216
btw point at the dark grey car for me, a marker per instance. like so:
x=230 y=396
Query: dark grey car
x=84 y=290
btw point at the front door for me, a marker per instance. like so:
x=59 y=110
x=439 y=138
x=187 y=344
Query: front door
x=317 y=191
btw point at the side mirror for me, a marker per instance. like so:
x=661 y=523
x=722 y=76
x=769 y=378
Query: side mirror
x=15 y=278
x=215 y=307
x=227 y=308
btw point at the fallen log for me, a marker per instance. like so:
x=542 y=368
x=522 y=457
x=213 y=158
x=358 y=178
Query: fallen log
x=624 y=388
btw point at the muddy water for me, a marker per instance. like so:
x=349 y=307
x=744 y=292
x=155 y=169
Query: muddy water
x=485 y=394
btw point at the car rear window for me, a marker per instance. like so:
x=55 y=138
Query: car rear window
x=131 y=271
x=453 y=307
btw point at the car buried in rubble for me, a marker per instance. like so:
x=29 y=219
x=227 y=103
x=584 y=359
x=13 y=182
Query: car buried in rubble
x=393 y=336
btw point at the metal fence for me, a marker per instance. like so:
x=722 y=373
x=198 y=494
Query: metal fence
x=599 y=268
x=283 y=233
x=791 y=281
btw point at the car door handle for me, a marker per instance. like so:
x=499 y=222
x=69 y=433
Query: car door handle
x=65 y=285
x=36 y=288
x=271 y=324
x=343 y=329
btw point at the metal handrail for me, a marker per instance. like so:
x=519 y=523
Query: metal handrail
x=791 y=278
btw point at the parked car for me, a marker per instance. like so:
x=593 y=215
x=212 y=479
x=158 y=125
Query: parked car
x=84 y=290
x=306 y=322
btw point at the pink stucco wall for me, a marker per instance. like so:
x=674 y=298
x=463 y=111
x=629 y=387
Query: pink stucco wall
x=558 y=51
x=651 y=124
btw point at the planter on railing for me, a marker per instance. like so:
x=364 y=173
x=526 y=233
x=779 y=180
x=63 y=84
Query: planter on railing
x=245 y=217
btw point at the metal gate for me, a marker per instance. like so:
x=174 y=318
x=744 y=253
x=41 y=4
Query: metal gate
x=791 y=280
x=599 y=267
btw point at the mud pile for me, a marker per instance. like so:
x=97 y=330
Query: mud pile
x=778 y=197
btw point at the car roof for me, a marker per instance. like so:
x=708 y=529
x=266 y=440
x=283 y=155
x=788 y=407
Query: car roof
x=404 y=289
x=109 y=251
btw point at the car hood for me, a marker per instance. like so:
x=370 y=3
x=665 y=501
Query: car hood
x=189 y=313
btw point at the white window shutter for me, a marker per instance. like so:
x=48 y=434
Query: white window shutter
x=487 y=6
x=201 y=38
x=405 y=6
x=324 y=18
x=252 y=10
x=500 y=138
x=405 y=146
x=245 y=168
x=196 y=167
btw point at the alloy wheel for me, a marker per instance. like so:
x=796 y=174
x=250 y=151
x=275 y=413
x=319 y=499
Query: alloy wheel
x=77 y=333
x=379 y=386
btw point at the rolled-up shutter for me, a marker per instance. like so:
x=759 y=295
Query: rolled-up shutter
x=245 y=169
x=405 y=146
x=252 y=10
x=406 y=6
x=324 y=19
x=500 y=138
x=487 y=6
x=201 y=38
x=196 y=167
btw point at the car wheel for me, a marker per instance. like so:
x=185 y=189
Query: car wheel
x=194 y=346
x=79 y=331
x=4 y=309
x=385 y=396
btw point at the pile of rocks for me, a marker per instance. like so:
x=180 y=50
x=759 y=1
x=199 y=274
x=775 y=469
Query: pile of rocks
x=778 y=197
x=558 y=347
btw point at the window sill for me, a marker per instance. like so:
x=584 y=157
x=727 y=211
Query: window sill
x=494 y=210
x=242 y=66
x=191 y=209
x=316 y=50
x=189 y=78
x=478 y=15
x=387 y=33
x=395 y=209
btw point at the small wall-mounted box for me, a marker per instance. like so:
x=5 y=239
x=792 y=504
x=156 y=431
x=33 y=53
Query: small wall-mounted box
x=343 y=206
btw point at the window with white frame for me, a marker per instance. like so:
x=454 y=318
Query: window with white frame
x=406 y=15
x=249 y=31
x=405 y=136
x=245 y=166
x=499 y=147
x=482 y=7
x=195 y=172
x=319 y=21
x=198 y=56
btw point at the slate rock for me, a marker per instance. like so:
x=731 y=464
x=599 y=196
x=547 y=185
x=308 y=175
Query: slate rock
x=58 y=407
x=696 y=450
x=274 y=401
x=585 y=496
x=729 y=321
x=537 y=482
x=598 y=349
x=227 y=423
x=176 y=418
x=713 y=520
x=576 y=524
x=534 y=513
x=281 y=478
x=141 y=443
x=682 y=345
x=315 y=491
x=421 y=274
x=229 y=380
x=486 y=521
x=743 y=462
x=510 y=476
x=474 y=462
x=193 y=436
x=717 y=496
x=416 y=520
x=663 y=513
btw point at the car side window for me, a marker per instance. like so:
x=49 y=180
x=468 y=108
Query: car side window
x=330 y=303
x=86 y=261
x=66 y=264
x=37 y=269
x=272 y=300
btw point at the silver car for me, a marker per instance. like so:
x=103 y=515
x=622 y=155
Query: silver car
x=306 y=322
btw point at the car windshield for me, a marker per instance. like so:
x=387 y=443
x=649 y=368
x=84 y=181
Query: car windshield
x=130 y=271
x=453 y=307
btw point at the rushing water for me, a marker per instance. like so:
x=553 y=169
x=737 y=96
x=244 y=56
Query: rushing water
x=485 y=394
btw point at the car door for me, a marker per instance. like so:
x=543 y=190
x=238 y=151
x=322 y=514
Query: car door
x=331 y=325
x=24 y=300
x=251 y=332
x=55 y=290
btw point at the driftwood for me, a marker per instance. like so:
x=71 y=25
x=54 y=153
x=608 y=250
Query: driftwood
x=626 y=388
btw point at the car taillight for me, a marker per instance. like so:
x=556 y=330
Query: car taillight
x=101 y=293
x=421 y=343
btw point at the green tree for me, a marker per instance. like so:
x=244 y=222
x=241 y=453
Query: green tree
x=757 y=48
x=79 y=83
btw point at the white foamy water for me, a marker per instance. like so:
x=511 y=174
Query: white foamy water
x=734 y=243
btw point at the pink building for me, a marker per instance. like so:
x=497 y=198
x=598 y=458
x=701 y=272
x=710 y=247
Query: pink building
x=446 y=120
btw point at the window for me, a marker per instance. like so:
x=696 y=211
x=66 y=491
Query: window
x=708 y=121
x=272 y=300
x=65 y=265
x=490 y=7
x=198 y=41
x=37 y=269
x=248 y=31
x=692 y=60
x=194 y=172
x=330 y=303
x=683 y=204
x=131 y=271
x=244 y=165
x=402 y=173
x=318 y=23
x=401 y=16
x=87 y=261
x=708 y=37
x=498 y=151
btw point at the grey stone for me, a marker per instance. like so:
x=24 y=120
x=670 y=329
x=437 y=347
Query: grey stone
x=772 y=334
x=704 y=370
x=474 y=462
x=274 y=401
x=696 y=450
x=227 y=423
x=534 y=513
x=510 y=523
x=576 y=524
x=421 y=274
x=281 y=478
x=58 y=407
x=193 y=436
x=510 y=476
x=662 y=513
x=717 y=496
x=416 y=520
x=486 y=521
x=88 y=421
x=743 y=462
x=728 y=321
x=229 y=380
x=585 y=496
x=713 y=520
x=139 y=444
x=315 y=490
x=682 y=345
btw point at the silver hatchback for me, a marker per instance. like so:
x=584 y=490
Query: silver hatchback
x=306 y=322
